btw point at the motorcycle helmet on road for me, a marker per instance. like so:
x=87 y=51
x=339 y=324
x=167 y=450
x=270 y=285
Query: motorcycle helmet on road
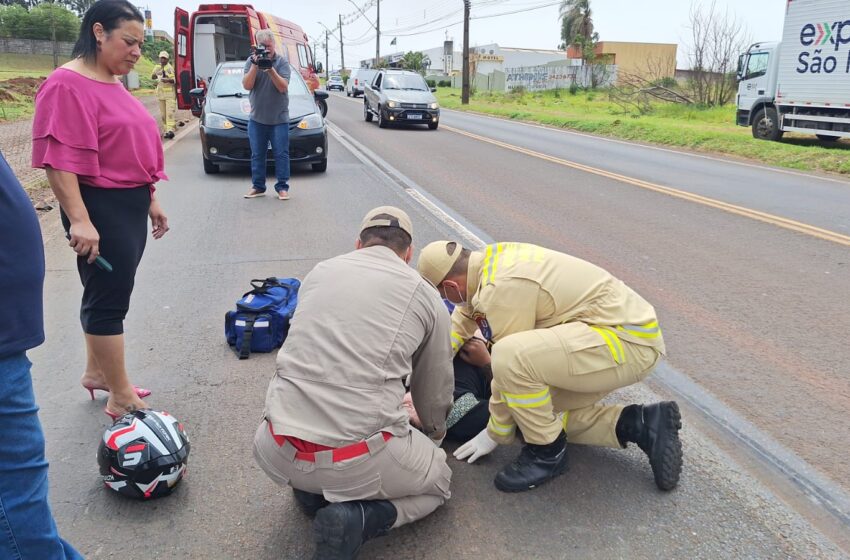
x=143 y=454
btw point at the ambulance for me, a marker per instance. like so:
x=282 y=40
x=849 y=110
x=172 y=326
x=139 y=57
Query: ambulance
x=217 y=33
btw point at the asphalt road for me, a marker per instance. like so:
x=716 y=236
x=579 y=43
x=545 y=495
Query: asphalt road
x=711 y=275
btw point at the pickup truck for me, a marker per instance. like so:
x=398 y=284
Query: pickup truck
x=400 y=96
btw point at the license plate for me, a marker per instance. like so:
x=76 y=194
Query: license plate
x=414 y=117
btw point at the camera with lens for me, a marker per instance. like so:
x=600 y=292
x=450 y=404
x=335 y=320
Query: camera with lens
x=263 y=57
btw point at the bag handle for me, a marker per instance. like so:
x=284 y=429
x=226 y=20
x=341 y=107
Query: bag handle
x=262 y=286
x=245 y=350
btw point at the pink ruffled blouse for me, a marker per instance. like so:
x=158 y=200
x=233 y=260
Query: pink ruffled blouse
x=96 y=130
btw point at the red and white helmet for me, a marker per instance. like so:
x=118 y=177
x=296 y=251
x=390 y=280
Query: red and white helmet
x=144 y=454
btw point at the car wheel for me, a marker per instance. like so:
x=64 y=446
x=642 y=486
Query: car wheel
x=382 y=122
x=367 y=114
x=321 y=167
x=348 y=94
x=210 y=168
x=433 y=125
x=766 y=125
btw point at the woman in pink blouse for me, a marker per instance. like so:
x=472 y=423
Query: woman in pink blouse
x=102 y=154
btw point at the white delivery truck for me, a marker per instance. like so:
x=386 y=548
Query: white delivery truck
x=803 y=83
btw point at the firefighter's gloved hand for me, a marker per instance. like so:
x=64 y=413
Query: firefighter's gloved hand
x=477 y=447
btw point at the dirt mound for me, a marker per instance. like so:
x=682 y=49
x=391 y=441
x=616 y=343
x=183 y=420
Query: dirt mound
x=25 y=87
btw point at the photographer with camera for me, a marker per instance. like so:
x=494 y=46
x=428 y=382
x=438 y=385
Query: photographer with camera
x=267 y=78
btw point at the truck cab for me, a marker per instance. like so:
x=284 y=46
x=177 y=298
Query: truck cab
x=757 y=73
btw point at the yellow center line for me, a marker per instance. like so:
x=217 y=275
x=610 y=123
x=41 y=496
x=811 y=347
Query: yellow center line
x=779 y=221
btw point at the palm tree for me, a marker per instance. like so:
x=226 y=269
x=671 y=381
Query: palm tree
x=576 y=22
x=416 y=61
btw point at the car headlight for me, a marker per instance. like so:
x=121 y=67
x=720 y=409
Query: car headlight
x=434 y=105
x=392 y=104
x=213 y=120
x=310 y=121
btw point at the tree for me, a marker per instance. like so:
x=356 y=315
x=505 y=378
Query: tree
x=576 y=23
x=13 y=21
x=151 y=49
x=39 y=22
x=415 y=61
x=717 y=40
x=46 y=17
x=79 y=6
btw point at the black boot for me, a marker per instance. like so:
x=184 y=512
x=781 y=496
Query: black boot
x=535 y=465
x=340 y=529
x=655 y=429
x=309 y=503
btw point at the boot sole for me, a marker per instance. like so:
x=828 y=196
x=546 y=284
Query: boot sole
x=333 y=541
x=515 y=489
x=666 y=460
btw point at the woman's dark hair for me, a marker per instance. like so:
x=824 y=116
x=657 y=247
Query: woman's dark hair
x=110 y=14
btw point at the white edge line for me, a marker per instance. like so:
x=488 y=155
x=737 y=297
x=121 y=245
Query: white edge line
x=644 y=146
x=410 y=188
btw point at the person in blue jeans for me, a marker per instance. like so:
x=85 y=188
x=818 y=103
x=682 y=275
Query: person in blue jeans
x=269 y=121
x=27 y=528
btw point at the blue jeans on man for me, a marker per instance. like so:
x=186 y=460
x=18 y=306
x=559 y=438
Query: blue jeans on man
x=260 y=135
x=27 y=529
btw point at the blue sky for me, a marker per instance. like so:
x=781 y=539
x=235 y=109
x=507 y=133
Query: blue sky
x=423 y=24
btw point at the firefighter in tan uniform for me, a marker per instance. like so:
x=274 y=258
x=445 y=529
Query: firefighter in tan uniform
x=565 y=333
x=164 y=76
x=335 y=428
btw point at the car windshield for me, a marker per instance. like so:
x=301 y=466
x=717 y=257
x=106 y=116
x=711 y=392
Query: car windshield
x=405 y=82
x=228 y=83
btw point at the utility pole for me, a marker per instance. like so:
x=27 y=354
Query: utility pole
x=341 y=53
x=464 y=93
x=378 y=37
x=326 y=54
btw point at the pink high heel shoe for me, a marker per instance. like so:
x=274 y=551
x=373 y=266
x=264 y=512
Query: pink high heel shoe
x=141 y=393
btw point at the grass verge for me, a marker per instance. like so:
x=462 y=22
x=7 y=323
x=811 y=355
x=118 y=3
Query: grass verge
x=710 y=130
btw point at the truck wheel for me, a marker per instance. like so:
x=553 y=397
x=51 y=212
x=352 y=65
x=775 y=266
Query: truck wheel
x=382 y=122
x=766 y=125
x=825 y=138
x=367 y=114
x=210 y=168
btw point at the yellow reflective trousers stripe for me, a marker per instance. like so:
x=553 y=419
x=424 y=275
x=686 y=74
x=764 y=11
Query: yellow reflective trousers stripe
x=531 y=400
x=614 y=344
x=648 y=330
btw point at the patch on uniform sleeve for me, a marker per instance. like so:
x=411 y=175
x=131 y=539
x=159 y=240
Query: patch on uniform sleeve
x=481 y=320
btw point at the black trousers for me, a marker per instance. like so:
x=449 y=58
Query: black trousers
x=470 y=379
x=120 y=217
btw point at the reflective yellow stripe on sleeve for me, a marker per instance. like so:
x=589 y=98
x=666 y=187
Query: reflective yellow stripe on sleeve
x=532 y=400
x=457 y=341
x=565 y=416
x=491 y=262
x=614 y=344
x=500 y=429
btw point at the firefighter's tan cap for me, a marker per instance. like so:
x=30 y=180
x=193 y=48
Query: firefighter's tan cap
x=437 y=259
x=387 y=216
x=164 y=54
